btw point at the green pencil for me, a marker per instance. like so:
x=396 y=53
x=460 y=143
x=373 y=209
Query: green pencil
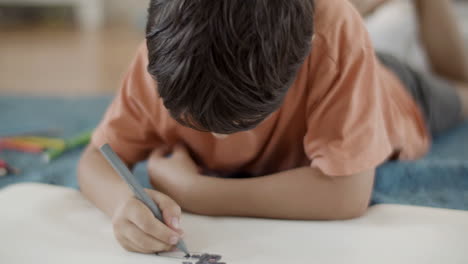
x=72 y=143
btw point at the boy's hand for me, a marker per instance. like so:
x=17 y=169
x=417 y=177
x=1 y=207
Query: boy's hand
x=137 y=230
x=173 y=175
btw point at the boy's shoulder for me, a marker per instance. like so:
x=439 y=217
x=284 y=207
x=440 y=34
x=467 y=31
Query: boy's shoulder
x=140 y=89
x=330 y=13
x=339 y=30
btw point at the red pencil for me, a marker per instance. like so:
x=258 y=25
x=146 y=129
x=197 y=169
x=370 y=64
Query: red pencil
x=6 y=169
x=3 y=168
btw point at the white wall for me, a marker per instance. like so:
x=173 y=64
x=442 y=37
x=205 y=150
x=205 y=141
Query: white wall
x=133 y=11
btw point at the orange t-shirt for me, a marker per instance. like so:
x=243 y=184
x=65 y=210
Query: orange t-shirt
x=345 y=112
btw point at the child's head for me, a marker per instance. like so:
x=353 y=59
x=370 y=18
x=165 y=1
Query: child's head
x=225 y=65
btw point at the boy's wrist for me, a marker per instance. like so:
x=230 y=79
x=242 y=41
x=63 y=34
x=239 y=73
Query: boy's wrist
x=124 y=194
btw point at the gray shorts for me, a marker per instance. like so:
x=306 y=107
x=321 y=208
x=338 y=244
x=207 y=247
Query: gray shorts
x=438 y=98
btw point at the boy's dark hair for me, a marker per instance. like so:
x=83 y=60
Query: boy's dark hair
x=224 y=65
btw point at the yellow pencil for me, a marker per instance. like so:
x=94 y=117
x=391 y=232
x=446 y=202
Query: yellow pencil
x=50 y=143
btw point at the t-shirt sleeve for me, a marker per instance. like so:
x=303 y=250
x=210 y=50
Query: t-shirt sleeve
x=346 y=128
x=128 y=124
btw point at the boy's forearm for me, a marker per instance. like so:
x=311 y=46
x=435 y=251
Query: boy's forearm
x=301 y=194
x=99 y=183
x=441 y=37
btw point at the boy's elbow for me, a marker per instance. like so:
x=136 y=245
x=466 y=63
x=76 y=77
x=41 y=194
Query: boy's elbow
x=354 y=196
x=351 y=211
x=351 y=205
x=340 y=209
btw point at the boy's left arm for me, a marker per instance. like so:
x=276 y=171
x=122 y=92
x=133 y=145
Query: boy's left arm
x=300 y=194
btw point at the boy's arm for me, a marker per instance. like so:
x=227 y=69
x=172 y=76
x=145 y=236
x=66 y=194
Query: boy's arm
x=303 y=193
x=128 y=127
x=134 y=225
x=99 y=183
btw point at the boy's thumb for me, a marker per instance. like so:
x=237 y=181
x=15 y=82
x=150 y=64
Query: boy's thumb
x=170 y=210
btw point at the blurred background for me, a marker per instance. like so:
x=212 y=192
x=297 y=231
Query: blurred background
x=82 y=47
x=67 y=47
x=61 y=61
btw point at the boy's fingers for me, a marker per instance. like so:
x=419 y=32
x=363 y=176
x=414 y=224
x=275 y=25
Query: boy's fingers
x=180 y=149
x=141 y=241
x=142 y=217
x=170 y=209
x=128 y=245
x=156 y=155
x=160 y=152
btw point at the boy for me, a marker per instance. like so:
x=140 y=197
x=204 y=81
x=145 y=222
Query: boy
x=288 y=90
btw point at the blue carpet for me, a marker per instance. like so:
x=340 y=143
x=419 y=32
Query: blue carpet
x=438 y=180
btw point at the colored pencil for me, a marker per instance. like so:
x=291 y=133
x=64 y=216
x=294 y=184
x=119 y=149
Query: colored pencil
x=19 y=142
x=51 y=154
x=45 y=142
x=72 y=143
x=20 y=146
